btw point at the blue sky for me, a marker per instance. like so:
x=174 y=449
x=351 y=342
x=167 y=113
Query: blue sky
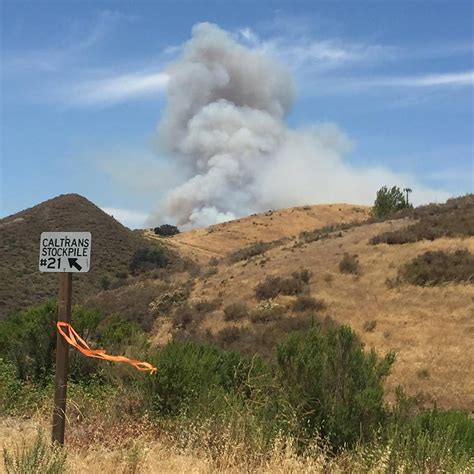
x=83 y=86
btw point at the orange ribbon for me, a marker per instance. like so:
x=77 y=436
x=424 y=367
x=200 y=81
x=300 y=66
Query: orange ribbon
x=76 y=341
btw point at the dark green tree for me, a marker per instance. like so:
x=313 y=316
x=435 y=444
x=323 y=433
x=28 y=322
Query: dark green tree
x=166 y=230
x=389 y=201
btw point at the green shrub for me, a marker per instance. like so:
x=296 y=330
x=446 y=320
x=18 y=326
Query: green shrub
x=121 y=333
x=335 y=388
x=39 y=458
x=10 y=386
x=349 y=264
x=146 y=259
x=195 y=377
x=28 y=340
x=235 y=311
x=436 y=267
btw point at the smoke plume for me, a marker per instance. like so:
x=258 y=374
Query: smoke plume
x=224 y=127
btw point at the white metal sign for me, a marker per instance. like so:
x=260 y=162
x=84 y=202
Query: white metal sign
x=68 y=252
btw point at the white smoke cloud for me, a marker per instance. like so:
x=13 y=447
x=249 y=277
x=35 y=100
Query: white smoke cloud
x=224 y=125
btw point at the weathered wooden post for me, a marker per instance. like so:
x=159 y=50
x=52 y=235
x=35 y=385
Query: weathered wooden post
x=62 y=359
x=65 y=253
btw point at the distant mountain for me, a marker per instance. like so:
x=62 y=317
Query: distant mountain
x=113 y=246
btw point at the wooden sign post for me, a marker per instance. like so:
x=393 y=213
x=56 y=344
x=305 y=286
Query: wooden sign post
x=64 y=253
x=62 y=359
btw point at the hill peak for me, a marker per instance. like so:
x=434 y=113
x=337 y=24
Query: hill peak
x=22 y=284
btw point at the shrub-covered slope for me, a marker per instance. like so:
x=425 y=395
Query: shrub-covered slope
x=113 y=246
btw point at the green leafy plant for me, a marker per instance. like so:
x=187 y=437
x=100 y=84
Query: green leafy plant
x=28 y=340
x=335 y=388
x=195 y=377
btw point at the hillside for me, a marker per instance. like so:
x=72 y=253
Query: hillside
x=22 y=284
x=220 y=239
x=430 y=328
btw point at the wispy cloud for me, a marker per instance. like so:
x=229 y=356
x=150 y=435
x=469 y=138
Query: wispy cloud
x=430 y=84
x=428 y=80
x=304 y=50
x=335 y=65
x=117 y=89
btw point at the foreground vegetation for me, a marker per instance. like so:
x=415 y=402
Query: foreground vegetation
x=317 y=404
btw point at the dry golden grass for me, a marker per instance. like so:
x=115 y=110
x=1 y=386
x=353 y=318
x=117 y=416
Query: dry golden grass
x=151 y=455
x=147 y=455
x=431 y=329
x=221 y=239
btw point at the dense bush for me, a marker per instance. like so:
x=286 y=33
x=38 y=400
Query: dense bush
x=146 y=259
x=327 y=231
x=10 y=386
x=334 y=386
x=275 y=285
x=28 y=340
x=455 y=218
x=434 y=268
x=325 y=381
x=308 y=303
x=194 y=376
x=229 y=334
x=258 y=248
x=166 y=230
x=235 y=311
x=349 y=264
x=191 y=314
x=389 y=201
x=120 y=333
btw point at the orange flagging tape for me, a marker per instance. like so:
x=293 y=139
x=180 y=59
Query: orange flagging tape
x=76 y=341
